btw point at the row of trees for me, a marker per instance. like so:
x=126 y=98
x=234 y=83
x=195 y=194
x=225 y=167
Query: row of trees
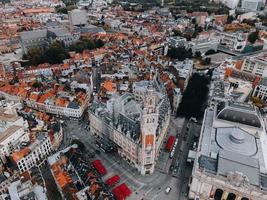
x=65 y=10
x=180 y=53
x=57 y=52
x=85 y=43
x=202 y=6
x=194 y=97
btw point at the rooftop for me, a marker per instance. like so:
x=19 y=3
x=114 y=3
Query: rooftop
x=239 y=113
x=230 y=148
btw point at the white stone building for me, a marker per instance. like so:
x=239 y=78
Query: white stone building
x=231 y=160
x=256 y=65
x=233 y=41
x=204 y=45
x=13 y=129
x=260 y=91
x=33 y=154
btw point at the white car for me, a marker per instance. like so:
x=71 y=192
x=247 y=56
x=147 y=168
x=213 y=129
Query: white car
x=168 y=190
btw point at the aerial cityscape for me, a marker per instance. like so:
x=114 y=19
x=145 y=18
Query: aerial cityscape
x=133 y=100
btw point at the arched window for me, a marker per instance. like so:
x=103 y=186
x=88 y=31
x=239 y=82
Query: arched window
x=218 y=194
x=150 y=101
x=231 y=196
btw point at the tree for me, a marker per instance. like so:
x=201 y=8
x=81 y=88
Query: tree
x=79 y=143
x=177 y=33
x=65 y=10
x=210 y=52
x=34 y=56
x=180 y=53
x=56 y=53
x=194 y=21
x=230 y=19
x=194 y=97
x=253 y=36
x=198 y=54
x=84 y=44
x=99 y=43
x=37 y=84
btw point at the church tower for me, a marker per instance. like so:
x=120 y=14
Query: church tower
x=149 y=126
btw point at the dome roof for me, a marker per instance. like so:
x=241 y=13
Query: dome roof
x=236 y=140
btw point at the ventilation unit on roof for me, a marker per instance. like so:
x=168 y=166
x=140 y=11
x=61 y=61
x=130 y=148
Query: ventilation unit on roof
x=213 y=155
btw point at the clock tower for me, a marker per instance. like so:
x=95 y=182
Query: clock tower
x=149 y=124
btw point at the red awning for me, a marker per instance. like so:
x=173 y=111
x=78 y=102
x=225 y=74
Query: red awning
x=122 y=191
x=170 y=143
x=112 y=180
x=99 y=167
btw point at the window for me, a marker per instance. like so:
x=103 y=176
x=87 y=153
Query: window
x=218 y=194
x=231 y=196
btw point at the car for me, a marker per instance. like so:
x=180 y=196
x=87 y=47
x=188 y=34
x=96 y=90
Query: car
x=168 y=190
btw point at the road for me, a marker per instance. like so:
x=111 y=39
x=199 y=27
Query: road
x=143 y=187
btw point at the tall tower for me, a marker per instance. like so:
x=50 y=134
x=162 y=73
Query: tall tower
x=149 y=126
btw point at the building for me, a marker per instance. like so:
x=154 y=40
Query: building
x=31 y=39
x=63 y=35
x=136 y=123
x=75 y=177
x=140 y=90
x=231 y=158
x=14 y=131
x=184 y=70
x=77 y=17
x=233 y=41
x=204 y=45
x=43 y=37
x=252 y=5
x=177 y=98
x=64 y=103
x=5 y=182
x=230 y=3
x=256 y=65
x=29 y=186
x=177 y=41
x=158 y=49
x=260 y=91
x=34 y=153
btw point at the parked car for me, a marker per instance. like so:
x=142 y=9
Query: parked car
x=168 y=190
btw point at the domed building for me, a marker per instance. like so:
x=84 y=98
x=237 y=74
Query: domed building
x=231 y=158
